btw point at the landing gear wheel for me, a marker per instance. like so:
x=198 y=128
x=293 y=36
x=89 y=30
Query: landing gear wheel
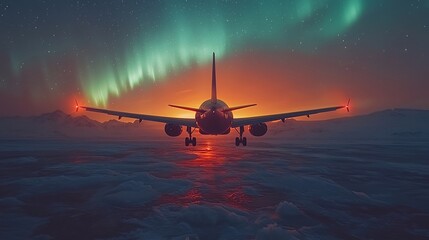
x=190 y=139
x=240 y=139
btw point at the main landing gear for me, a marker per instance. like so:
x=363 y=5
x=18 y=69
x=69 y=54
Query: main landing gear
x=241 y=139
x=190 y=139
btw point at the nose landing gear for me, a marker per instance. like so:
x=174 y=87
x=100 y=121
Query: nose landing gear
x=241 y=139
x=190 y=139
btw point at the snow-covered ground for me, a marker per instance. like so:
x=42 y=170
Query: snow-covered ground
x=272 y=189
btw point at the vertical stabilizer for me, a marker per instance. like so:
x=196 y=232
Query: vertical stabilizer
x=214 y=97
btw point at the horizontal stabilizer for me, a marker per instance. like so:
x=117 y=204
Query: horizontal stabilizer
x=188 y=108
x=238 y=107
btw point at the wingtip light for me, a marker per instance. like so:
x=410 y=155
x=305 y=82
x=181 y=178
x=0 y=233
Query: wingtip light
x=348 y=106
x=77 y=105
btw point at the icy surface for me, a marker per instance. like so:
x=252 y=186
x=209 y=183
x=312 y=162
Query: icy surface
x=164 y=190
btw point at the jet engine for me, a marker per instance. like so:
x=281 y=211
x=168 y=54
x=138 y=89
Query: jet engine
x=258 y=129
x=172 y=130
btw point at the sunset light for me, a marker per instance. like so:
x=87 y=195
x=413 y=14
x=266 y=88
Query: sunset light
x=214 y=120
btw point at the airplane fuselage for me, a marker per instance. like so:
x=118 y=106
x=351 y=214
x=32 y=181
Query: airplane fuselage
x=214 y=120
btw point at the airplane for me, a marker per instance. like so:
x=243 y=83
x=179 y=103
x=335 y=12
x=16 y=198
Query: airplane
x=214 y=117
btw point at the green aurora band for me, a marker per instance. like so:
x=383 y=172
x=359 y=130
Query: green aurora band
x=190 y=35
x=182 y=34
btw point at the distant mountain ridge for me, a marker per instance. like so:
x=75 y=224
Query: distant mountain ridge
x=62 y=118
x=390 y=124
x=58 y=124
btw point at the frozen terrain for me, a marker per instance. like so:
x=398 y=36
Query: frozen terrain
x=372 y=185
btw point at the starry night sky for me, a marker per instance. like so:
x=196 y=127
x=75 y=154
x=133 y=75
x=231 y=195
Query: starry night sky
x=142 y=55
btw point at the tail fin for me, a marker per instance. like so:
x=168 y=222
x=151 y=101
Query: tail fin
x=214 y=97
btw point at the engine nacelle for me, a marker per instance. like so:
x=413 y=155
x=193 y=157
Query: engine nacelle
x=173 y=130
x=258 y=129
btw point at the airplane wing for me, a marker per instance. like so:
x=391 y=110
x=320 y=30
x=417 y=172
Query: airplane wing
x=189 y=122
x=238 y=122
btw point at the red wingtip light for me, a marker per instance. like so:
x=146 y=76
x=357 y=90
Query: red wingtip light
x=348 y=106
x=77 y=105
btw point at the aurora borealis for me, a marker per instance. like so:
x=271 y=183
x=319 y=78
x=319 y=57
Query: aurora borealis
x=128 y=54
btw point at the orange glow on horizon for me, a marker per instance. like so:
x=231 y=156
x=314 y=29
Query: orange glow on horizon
x=275 y=86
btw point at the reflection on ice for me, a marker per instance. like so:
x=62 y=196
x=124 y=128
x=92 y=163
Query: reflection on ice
x=206 y=156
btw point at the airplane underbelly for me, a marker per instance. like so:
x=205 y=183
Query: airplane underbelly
x=214 y=123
